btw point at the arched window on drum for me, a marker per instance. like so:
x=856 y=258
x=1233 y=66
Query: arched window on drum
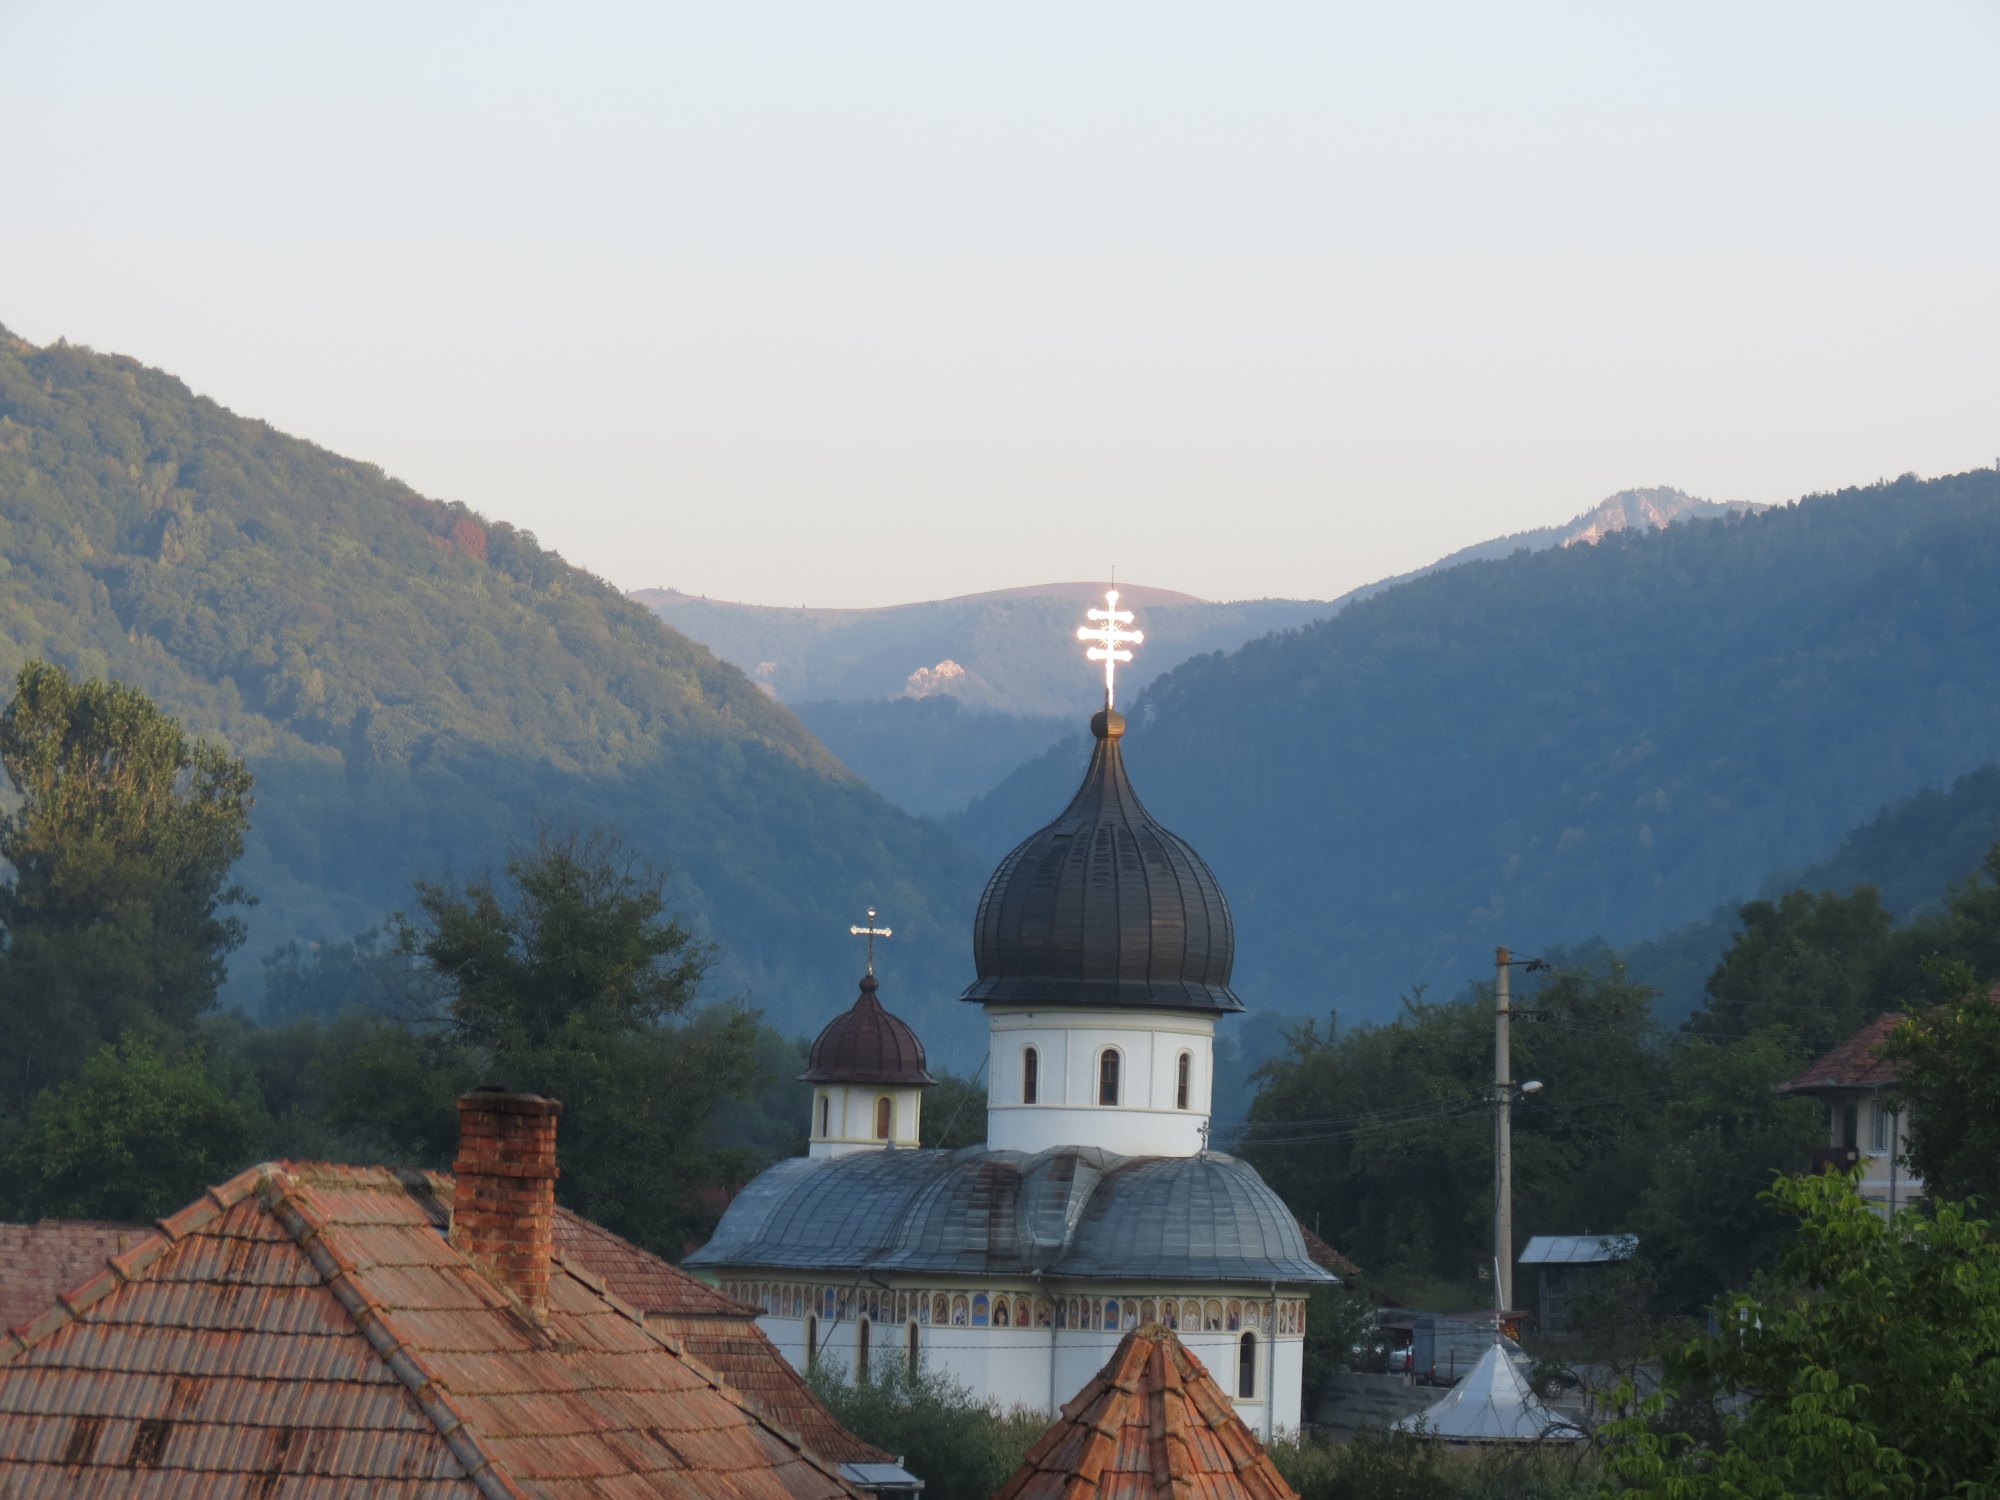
x=1109 y=1064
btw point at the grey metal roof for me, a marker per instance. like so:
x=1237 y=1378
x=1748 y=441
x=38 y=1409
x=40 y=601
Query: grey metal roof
x=1104 y=907
x=1577 y=1249
x=1072 y=1212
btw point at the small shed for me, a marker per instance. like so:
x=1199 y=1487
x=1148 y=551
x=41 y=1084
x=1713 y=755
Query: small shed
x=1569 y=1263
x=1492 y=1404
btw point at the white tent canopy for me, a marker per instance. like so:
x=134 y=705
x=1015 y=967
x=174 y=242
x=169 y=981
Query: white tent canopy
x=1492 y=1404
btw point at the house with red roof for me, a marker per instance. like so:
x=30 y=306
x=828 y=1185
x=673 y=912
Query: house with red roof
x=308 y=1330
x=1863 y=1128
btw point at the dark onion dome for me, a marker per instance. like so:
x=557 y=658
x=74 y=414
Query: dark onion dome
x=865 y=1044
x=1072 y=1211
x=1104 y=907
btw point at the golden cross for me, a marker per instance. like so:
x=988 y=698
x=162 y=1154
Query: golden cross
x=871 y=932
x=1110 y=639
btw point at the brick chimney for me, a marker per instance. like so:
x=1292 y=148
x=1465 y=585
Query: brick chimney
x=503 y=1209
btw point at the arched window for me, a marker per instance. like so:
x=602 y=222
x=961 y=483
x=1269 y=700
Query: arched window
x=861 y=1350
x=825 y=1115
x=812 y=1341
x=1183 y=1071
x=915 y=1349
x=1031 y=1075
x=884 y=1112
x=1246 y=1366
x=1107 y=1076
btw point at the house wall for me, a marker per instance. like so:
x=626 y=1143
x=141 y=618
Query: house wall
x=1883 y=1178
x=1146 y=1121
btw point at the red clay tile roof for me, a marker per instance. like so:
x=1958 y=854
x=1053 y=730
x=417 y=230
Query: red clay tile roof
x=39 y=1262
x=717 y=1330
x=1853 y=1064
x=1325 y=1255
x=1152 y=1423
x=306 y=1332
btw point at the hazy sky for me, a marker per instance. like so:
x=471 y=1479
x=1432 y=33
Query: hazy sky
x=850 y=303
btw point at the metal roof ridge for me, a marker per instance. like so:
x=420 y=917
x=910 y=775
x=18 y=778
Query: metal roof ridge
x=283 y=1198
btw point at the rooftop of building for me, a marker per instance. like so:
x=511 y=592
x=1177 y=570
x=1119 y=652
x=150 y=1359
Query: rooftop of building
x=311 y=1330
x=1151 y=1423
x=717 y=1330
x=1069 y=1212
x=1854 y=1064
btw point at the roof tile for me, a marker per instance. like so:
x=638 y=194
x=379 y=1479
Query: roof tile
x=312 y=1322
x=1853 y=1064
x=1151 y=1423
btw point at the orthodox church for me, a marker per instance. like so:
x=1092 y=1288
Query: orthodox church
x=1103 y=948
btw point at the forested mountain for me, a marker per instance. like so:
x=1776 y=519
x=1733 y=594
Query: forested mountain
x=931 y=755
x=1589 y=741
x=1914 y=852
x=414 y=686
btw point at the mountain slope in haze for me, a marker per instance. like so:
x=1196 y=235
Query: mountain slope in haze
x=1008 y=651
x=1652 y=509
x=1587 y=741
x=1913 y=851
x=415 y=686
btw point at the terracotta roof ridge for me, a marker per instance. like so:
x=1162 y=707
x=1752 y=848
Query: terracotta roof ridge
x=716 y=1382
x=128 y=1265
x=284 y=1199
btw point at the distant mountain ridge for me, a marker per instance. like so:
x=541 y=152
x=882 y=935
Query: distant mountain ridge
x=1652 y=509
x=415 y=685
x=1009 y=650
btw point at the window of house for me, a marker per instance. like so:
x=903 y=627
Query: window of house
x=1878 y=1135
x=884 y=1112
x=1183 y=1072
x=825 y=1115
x=861 y=1350
x=1246 y=1366
x=1107 y=1076
x=812 y=1341
x=1031 y=1075
x=915 y=1348
x=1850 y=1125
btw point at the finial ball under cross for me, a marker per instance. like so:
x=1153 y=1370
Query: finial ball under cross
x=871 y=932
x=1109 y=637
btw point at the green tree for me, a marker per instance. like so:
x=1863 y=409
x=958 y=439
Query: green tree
x=1949 y=1055
x=1811 y=961
x=120 y=842
x=568 y=977
x=1704 y=1223
x=962 y=1448
x=131 y=1137
x=954 y=1112
x=1864 y=1366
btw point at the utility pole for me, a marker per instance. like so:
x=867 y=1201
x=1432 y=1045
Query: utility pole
x=1503 y=1136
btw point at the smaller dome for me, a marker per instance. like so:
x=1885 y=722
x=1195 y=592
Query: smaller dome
x=865 y=1044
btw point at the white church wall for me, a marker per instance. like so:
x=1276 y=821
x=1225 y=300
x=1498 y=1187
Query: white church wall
x=843 y=1118
x=1011 y=1366
x=1069 y=1044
